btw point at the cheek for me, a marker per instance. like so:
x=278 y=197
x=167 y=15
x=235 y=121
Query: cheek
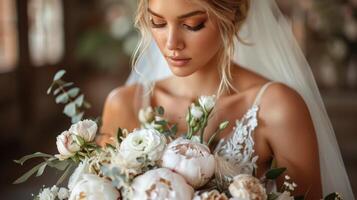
x=160 y=38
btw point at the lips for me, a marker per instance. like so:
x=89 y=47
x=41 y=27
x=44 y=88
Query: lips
x=178 y=61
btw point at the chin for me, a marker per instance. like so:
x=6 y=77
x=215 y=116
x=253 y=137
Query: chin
x=181 y=72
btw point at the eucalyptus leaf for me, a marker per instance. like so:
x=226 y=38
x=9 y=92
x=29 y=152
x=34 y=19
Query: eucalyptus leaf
x=173 y=129
x=78 y=117
x=161 y=122
x=22 y=160
x=70 y=109
x=274 y=173
x=50 y=88
x=41 y=169
x=27 y=175
x=79 y=100
x=73 y=92
x=57 y=91
x=67 y=84
x=62 y=98
x=59 y=75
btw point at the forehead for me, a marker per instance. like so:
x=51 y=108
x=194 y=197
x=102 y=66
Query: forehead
x=174 y=8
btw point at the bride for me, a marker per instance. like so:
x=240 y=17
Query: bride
x=244 y=52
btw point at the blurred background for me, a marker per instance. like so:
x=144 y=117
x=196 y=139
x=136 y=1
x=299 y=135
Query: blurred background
x=93 y=40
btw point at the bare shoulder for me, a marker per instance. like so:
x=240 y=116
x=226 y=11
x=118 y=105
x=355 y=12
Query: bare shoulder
x=119 y=109
x=281 y=101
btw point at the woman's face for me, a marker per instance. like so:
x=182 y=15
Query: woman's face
x=187 y=38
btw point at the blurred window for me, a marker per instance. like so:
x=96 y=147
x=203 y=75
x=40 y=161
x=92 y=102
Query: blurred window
x=46 y=34
x=8 y=35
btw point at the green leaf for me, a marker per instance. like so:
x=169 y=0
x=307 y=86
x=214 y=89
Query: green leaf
x=160 y=110
x=78 y=117
x=58 y=164
x=173 y=129
x=274 y=173
x=65 y=174
x=22 y=160
x=272 y=196
x=41 y=169
x=27 y=175
x=70 y=109
x=79 y=140
x=333 y=196
x=59 y=75
x=73 y=92
x=62 y=98
x=79 y=100
x=161 y=122
x=119 y=135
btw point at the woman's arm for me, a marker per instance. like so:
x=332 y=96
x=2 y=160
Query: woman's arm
x=290 y=133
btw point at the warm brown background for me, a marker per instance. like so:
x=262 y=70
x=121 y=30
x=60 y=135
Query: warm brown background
x=97 y=39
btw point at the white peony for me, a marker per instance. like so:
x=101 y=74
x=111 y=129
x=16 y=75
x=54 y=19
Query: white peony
x=92 y=187
x=161 y=184
x=63 y=194
x=83 y=168
x=143 y=143
x=86 y=129
x=196 y=111
x=66 y=146
x=190 y=159
x=210 y=195
x=247 y=187
x=207 y=102
x=285 y=196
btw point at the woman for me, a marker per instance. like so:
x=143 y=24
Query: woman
x=197 y=39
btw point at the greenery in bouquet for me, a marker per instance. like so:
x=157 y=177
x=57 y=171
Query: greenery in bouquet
x=151 y=162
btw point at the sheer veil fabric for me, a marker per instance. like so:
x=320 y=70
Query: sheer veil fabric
x=274 y=53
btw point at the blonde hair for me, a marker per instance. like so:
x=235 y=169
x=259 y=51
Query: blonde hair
x=230 y=15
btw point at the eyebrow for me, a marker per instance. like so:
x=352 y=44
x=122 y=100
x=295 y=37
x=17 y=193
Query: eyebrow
x=190 y=14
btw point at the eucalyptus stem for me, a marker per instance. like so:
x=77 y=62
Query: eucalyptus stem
x=203 y=129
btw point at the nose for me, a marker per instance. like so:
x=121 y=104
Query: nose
x=174 y=40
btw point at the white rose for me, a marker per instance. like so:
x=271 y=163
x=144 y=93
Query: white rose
x=92 y=187
x=86 y=129
x=285 y=196
x=190 y=159
x=207 y=102
x=247 y=187
x=196 y=111
x=46 y=194
x=143 y=143
x=83 y=168
x=161 y=184
x=66 y=146
x=63 y=193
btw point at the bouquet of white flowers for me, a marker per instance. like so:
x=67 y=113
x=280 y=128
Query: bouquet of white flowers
x=148 y=163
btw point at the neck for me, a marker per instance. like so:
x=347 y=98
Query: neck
x=203 y=82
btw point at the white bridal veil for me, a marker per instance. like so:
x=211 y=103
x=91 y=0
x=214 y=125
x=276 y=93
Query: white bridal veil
x=276 y=55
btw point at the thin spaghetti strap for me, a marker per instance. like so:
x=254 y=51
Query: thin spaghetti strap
x=261 y=92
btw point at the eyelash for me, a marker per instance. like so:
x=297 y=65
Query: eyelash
x=195 y=28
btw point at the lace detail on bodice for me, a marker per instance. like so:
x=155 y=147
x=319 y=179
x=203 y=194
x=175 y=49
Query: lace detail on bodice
x=236 y=155
x=239 y=148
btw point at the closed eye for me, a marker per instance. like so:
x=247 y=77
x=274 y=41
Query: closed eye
x=188 y=27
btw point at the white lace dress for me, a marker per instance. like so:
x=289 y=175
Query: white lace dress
x=235 y=155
